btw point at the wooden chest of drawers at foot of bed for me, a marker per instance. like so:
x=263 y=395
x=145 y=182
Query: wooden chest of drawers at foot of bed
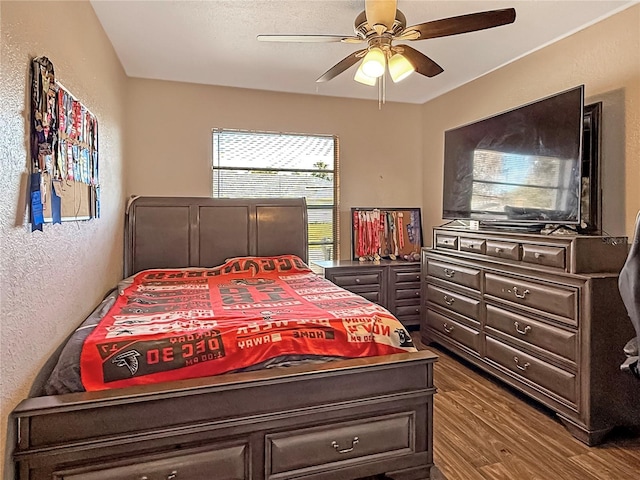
x=541 y=313
x=393 y=284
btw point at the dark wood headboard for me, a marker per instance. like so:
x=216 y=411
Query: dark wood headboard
x=172 y=232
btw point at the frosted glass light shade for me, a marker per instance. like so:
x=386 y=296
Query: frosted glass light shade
x=373 y=63
x=400 y=68
x=362 y=78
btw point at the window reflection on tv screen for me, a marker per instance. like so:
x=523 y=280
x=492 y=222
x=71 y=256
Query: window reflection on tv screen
x=503 y=180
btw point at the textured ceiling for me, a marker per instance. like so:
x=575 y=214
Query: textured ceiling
x=214 y=42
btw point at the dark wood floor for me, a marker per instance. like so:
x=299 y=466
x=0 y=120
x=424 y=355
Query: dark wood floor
x=484 y=430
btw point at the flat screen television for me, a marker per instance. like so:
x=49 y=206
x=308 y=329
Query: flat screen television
x=520 y=167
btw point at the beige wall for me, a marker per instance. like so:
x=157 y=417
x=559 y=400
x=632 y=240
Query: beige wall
x=389 y=157
x=50 y=280
x=170 y=147
x=606 y=59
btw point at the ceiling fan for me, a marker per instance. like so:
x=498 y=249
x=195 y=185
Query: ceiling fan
x=380 y=25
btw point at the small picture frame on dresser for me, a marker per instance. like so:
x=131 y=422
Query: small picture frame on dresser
x=391 y=233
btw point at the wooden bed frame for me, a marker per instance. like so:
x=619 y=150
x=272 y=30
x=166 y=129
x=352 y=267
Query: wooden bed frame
x=336 y=421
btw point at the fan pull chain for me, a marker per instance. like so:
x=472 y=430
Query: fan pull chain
x=382 y=91
x=384 y=88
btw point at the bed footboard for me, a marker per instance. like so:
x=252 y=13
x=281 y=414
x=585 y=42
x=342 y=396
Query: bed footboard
x=343 y=420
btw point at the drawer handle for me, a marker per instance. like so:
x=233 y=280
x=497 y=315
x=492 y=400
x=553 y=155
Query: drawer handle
x=526 y=330
x=449 y=300
x=173 y=475
x=520 y=295
x=418 y=277
x=418 y=310
x=447 y=328
x=538 y=255
x=520 y=367
x=498 y=250
x=418 y=293
x=449 y=273
x=357 y=280
x=336 y=446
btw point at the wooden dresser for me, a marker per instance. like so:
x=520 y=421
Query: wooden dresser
x=393 y=284
x=541 y=313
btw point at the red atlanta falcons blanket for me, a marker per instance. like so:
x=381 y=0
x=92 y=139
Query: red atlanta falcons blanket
x=177 y=324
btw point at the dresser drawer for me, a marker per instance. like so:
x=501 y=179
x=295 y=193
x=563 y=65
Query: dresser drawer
x=549 y=377
x=468 y=277
x=544 y=255
x=352 y=442
x=229 y=463
x=455 y=302
x=548 y=298
x=508 y=250
x=467 y=336
x=556 y=340
x=446 y=241
x=474 y=245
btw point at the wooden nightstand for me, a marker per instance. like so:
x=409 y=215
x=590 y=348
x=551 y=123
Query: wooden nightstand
x=393 y=284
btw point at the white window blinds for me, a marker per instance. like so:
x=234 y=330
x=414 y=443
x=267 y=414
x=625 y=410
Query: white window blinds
x=263 y=164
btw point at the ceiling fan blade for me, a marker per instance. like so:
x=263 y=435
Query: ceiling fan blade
x=423 y=64
x=463 y=24
x=309 y=38
x=380 y=12
x=341 y=66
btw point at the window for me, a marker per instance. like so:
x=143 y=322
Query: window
x=504 y=180
x=264 y=164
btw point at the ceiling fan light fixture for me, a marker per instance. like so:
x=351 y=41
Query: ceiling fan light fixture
x=373 y=63
x=400 y=68
x=379 y=26
x=362 y=78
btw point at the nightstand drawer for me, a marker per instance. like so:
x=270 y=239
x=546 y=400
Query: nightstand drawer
x=371 y=295
x=407 y=293
x=406 y=311
x=367 y=282
x=347 y=280
x=351 y=442
x=411 y=276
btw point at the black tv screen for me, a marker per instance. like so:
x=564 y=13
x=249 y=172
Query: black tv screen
x=522 y=166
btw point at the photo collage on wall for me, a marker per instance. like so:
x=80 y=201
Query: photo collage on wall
x=64 y=182
x=78 y=141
